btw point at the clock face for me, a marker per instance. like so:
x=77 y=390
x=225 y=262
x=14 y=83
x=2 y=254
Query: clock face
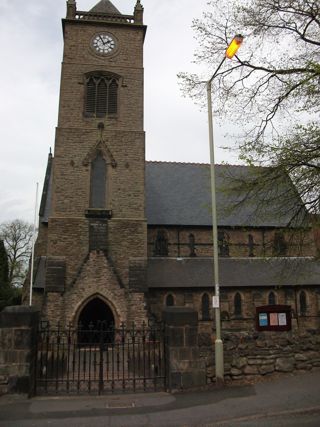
x=103 y=43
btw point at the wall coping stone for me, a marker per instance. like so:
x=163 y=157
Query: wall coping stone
x=19 y=316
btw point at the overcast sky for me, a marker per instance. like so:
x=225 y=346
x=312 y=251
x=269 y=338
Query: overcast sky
x=31 y=43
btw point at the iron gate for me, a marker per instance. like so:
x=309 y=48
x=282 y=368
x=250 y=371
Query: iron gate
x=99 y=359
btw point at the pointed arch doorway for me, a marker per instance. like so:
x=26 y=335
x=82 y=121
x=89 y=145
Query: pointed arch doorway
x=95 y=316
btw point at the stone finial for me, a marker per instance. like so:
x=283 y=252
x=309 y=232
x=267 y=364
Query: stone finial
x=71 y=9
x=139 y=5
x=138 y=13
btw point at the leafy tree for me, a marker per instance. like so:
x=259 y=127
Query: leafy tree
x=17 y=239
x=271 y=88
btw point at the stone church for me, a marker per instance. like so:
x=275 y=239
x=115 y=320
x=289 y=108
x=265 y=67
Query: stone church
x=121 y=237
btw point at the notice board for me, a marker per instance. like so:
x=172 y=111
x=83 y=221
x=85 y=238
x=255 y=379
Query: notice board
x=273 y=318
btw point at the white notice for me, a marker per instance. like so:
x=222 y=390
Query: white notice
x=282 y=319
x=215 y=302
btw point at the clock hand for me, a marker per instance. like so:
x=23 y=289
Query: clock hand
x=102 y=40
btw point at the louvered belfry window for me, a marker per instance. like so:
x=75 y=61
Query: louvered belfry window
x=101 y=96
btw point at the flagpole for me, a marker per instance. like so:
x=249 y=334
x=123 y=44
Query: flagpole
x=33 y=244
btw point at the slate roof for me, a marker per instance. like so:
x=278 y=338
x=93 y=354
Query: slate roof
x=45 y=204
x=192 y=273
x=106 y=7
x=233 y=272
x=179 y=194
x=40 y=273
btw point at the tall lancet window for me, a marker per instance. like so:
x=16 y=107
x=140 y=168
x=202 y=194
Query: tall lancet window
x=98 y=190
x=205 y=307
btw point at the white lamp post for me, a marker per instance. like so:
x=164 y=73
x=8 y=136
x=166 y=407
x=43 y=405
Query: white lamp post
x=219 y=364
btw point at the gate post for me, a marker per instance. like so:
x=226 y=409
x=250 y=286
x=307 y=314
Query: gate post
x=18 y=334
x=184 y=367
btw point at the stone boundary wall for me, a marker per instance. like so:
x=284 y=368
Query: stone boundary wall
x=18 y=328
x=248 y=356
x=189 y=354
x=185 y=368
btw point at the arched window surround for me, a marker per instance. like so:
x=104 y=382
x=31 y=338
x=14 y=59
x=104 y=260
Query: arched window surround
x=98 y=182
x=279 y=244
x=272 y=298
x=237 y=304
x=169 y=300
x=205 y=306
x=303 y=306
x=223 y=243
x=100 y=149
x=161 y=244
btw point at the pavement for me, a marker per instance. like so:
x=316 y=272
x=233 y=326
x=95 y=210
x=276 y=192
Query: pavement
x=288 y=400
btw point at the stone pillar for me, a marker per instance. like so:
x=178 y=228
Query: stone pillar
x=138 y=13
x=137 y=311
x=18 y=331
x=71 y=9
x=185 y=368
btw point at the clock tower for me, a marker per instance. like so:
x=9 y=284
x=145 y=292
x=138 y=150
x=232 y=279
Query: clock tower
x=93 y=234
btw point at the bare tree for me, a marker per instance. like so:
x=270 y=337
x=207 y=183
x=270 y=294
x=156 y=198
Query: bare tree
x=4 y=267
x=271 y=88
x=17 y=238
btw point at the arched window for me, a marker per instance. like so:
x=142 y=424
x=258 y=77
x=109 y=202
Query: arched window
x=101 y=97
x=279 y=244
x=98 y=182
x=169 y=300
x=192 y=245
x=161 y=244
x=237 y=304
x=303 y=303
x=251 y=245
x=272 y=298
x=223 y=243
x=205 y=307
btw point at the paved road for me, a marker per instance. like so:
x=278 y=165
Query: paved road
x=287 y=401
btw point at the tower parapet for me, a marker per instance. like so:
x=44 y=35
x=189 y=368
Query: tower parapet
x=105 y=11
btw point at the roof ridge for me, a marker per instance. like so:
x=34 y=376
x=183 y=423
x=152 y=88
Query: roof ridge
x=200 y=164
x=177 y=163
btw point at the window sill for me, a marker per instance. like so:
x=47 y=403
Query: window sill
x=101 y=117
x=98 y=213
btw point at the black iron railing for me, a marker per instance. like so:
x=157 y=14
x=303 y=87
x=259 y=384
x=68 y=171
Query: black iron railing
x=99 y=359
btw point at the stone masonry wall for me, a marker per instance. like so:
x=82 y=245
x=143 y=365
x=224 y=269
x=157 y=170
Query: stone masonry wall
x=97 y=278
x=251 y=298
x=185 y=368
x=122 y=139
x=249 y=356
x=18 y=326
x=79 y=58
